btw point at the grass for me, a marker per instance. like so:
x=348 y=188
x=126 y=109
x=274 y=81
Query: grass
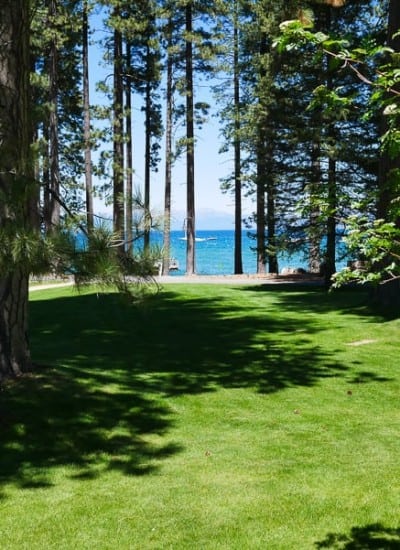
x=210 y=418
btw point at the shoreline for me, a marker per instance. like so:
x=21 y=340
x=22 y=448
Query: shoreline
x=243 y=279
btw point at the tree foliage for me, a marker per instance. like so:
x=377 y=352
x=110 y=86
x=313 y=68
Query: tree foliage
x=372 y=238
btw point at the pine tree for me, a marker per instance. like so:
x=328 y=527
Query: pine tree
x=17 y=209
x=197 y=45
x=334 y=145
x=52 y=205
x=86 y=114
x=129 y=157
x=118 y=134
x=262 y=136
x=238 y=260
x=169 y=96
x=228 y=97
x=57 y=63
x=190 y=192
x=143 y=73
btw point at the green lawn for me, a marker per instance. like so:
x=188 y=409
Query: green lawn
x=210 y=417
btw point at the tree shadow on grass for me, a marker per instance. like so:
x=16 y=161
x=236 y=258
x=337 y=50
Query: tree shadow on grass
x=180 y=345
x=316 y=299
x=363 y=538
x=313 y=299
x=100 y=404
x=60 y=418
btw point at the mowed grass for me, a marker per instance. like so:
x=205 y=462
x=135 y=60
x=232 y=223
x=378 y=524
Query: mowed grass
x=210 y=417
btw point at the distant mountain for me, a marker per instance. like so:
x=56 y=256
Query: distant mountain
x=206 y=218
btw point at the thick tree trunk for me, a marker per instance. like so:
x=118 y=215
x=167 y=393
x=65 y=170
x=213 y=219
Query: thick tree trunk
x=15 y=170
x=14 y=346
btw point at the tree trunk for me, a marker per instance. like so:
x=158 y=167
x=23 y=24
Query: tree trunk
x=272 y=258
x=315 y=187
x=314 y=249
x=147 y=157
x=238 y=261
x=15 y=170
x=129 y=157
x=190 y=199
x=14 y=346
x=330 y=255
x=86 y=122
x=118 y=160
x=260 y=221
x=168 y=159
x=261 y=150
x=54 y=205
x=330 y=258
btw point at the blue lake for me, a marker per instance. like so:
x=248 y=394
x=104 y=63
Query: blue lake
x=215 y=253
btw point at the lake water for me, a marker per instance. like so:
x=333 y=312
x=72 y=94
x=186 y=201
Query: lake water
x=215 y=253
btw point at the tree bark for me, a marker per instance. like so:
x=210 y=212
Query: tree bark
x=86 y=123
x=15 y=170
x=147 y=155
x=330 y=257
x=14 y=346
x=261 y=152
x=168 y=157
x=54 y=205
x=260 y=213
x=314 y=249
x=238 y=262
x=272 y=258
x=118 y=146
x=129 y=156
x=190 y=199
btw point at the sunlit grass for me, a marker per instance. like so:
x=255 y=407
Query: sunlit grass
x=209 y=417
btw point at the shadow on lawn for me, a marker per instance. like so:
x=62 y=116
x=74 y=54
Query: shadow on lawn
x=316 y=299
x=100 y=406
x=63 y=417
x=363 y=538
x=180 y=345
